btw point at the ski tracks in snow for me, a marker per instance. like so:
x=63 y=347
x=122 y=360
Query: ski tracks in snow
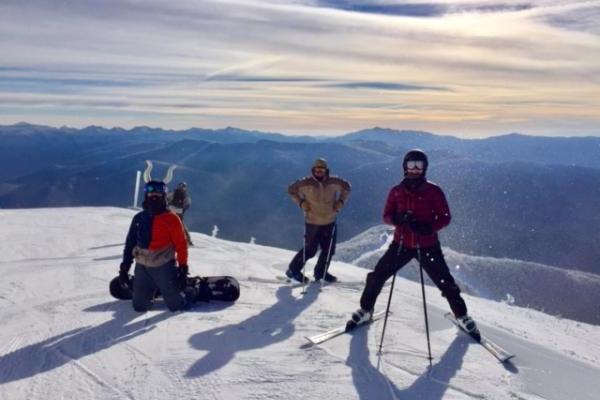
x=94 y=377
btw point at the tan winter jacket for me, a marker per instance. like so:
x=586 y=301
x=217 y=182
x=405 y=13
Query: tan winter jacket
x=320 y=196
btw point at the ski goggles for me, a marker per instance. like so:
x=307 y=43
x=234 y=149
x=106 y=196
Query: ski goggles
x=155 y=187
x=415 y=164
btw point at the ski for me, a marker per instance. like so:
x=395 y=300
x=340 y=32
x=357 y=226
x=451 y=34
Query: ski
x=330 y=334
x=263 y=280
x=501 y=354
x=285 y=279
x=277 y=281
x=354 y=285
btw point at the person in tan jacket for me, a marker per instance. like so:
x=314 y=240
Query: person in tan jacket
x=321 y=197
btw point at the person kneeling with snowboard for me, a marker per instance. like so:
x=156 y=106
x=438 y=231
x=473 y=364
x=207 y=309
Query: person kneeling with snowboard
x=156 y=241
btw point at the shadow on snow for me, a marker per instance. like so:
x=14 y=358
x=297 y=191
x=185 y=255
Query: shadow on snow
x=272 y=325
x=75 y=344
x=371 y=383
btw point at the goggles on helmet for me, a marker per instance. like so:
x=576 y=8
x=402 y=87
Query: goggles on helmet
x=155 y=187
x=415 y=164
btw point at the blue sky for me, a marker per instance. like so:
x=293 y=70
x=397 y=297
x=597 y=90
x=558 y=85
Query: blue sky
x=470 y=68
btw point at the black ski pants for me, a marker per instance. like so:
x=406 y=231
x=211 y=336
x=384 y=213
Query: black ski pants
x=164 y=278
x=317 y=236
x=434 y=264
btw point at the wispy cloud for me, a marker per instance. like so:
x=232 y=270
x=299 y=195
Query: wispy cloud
x=388 y=7
x=468 y=67
x=423 y=8
x=383 y=86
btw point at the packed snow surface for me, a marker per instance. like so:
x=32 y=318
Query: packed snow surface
x=63 y=336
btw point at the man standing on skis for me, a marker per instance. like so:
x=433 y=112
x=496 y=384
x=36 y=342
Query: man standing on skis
x=418 y=209
x=321 y=197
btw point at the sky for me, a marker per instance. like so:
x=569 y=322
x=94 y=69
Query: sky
x=471 y=68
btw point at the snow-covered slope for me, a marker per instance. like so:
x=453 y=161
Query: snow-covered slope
x=63 y=336
x=566 y=293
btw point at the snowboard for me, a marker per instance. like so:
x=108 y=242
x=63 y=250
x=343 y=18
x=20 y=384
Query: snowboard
x=222 y=288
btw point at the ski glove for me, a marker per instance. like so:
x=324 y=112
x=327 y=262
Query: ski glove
x=403 y=218
x=337 y=206
x=124 y=274
x=182 y=274
x=421 y=227
x=304 y=205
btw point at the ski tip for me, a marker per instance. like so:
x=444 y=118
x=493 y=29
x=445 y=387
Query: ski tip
x=508 y=359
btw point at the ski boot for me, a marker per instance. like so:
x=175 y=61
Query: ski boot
x=469 y=326
x=298 y=276
x=359 y=317
x=328 y=278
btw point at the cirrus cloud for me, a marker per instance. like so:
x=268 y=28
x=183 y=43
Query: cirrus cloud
x=471 y=67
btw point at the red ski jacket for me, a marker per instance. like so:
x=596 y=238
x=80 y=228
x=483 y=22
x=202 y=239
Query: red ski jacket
x=157 y=238
x=427 y=203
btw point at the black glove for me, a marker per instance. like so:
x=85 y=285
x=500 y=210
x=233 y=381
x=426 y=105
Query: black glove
x=403 y=218
x=421 y=227
x=304 y=205
x=124 y=280
x=182 y=274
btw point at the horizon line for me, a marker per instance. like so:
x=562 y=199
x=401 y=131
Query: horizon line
x=312 y=135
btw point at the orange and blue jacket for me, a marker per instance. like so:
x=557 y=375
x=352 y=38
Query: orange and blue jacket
x=153 y=234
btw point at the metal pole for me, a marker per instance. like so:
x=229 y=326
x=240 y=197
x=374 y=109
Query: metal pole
x=387 y=312
x=137 y=188
x=328 y=254
x=424 y=304
x=304 y=259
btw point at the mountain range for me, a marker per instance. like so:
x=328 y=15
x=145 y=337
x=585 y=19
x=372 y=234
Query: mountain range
x=512 y=196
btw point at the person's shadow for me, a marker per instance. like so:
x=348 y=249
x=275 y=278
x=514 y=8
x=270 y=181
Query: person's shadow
x=272 y=325
x=74 y=344
x=370 y=383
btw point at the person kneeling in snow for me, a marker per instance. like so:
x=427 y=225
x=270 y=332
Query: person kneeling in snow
x=157 y=242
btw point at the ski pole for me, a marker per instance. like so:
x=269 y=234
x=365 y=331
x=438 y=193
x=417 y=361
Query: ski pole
x=387 y=310
x=328 y=254
x=304 y=260
x=424 y=303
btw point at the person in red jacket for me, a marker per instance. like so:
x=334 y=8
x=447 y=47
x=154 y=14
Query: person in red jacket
x=418 y=209
x=157 y=242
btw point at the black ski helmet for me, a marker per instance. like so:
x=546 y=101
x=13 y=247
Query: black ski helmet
x=152 y=204
x=416 y=155
x=155 y=187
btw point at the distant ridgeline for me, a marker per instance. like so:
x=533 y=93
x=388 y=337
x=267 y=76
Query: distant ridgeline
x=515 y=196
